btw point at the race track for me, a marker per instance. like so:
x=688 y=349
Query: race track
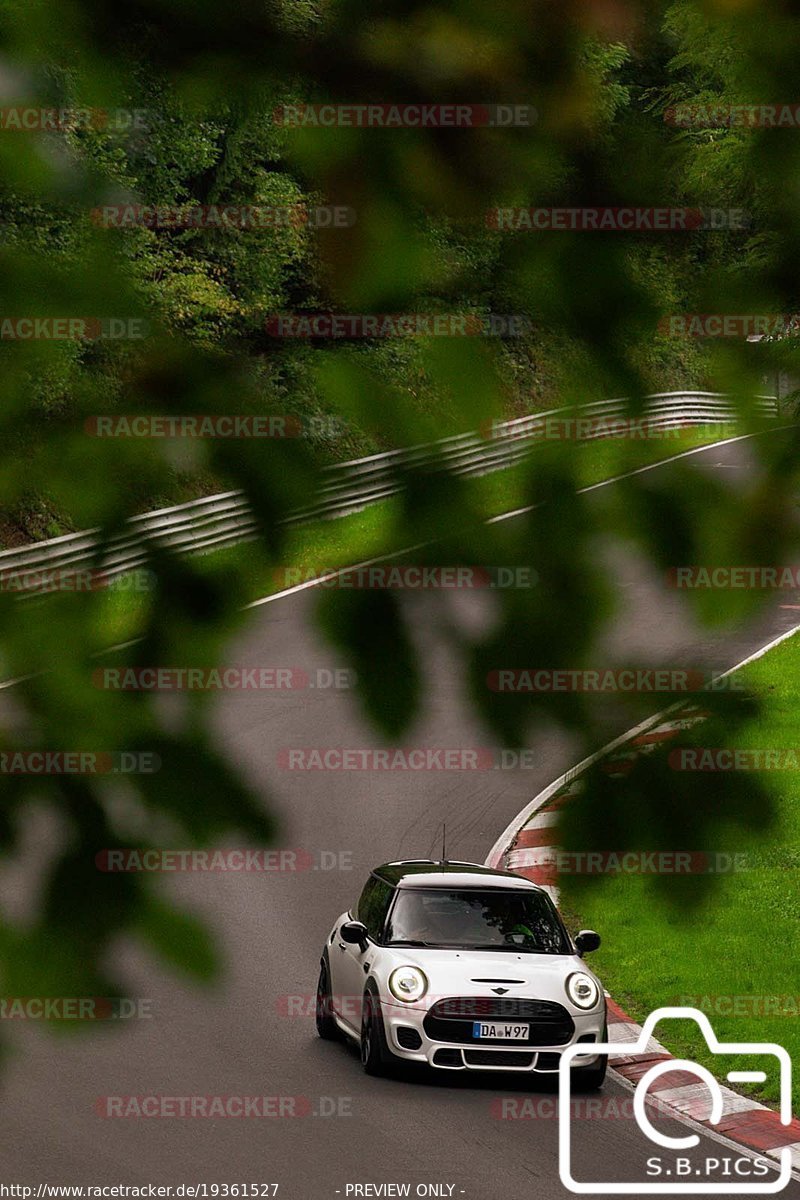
x=239 y=1039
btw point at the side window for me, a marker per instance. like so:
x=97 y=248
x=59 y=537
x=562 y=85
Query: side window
x=373 y=905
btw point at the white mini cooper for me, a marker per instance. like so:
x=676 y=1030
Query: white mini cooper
x=460 y=967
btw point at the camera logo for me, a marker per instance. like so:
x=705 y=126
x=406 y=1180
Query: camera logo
x=768 y=1050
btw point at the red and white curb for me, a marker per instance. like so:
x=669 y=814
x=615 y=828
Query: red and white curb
x=529 y=847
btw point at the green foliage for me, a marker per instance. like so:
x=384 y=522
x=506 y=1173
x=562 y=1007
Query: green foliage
x=208 y=83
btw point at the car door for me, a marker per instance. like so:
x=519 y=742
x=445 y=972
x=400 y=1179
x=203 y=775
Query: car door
x=351 y=962
x=348 y=979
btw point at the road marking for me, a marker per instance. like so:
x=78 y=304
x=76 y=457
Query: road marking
x=626 y=1030
x=507 y=837
x=512 y=829
x=334 y=573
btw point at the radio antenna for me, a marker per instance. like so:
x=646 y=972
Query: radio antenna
x=444 y=846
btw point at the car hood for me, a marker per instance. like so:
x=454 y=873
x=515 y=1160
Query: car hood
x=471 y=973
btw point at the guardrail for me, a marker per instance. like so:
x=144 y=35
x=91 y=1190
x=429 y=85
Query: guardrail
x=225 y=519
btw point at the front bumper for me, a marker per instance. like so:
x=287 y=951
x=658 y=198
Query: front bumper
x=470 y=1055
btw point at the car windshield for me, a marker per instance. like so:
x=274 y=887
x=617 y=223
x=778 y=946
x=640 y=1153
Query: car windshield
x=511 y=920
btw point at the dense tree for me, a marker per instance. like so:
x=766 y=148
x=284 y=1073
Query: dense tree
x=207 y=85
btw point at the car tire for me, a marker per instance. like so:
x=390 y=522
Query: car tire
x=326 y=1024
x=591 y=1079
x=375 y=1055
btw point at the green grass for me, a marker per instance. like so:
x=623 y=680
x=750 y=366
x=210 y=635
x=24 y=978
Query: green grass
x=311 y=549
x=596 y=460
x=744 y=941
x=325 y=545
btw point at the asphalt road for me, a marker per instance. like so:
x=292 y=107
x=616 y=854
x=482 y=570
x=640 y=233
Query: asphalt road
x=240 y=1040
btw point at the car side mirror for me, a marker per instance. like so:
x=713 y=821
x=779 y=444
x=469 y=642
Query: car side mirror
x=354 y=932
x=586 y=941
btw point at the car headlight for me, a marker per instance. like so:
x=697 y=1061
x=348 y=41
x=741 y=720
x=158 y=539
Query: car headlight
x=408 y=984
x=582 y=990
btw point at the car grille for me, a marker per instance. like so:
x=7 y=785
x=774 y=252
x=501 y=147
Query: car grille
x=497 y=1058
x=450 y=1020
x=548 y=1061
x=504 y=1008
x=448 y=1058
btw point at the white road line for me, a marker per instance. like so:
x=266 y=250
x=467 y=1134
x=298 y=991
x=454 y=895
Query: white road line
x=505 y=838
x=521 y=820
x=782 y=637
x=516 y=512
x=624 y=1031
x=7 y=683
x=334 y=573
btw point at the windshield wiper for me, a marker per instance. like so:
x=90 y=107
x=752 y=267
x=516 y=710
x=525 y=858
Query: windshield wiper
x=510 y=948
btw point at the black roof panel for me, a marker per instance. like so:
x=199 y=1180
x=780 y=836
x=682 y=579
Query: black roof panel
x=395 y=872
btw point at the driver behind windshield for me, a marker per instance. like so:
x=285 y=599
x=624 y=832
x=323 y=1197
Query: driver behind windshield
x=481 y=920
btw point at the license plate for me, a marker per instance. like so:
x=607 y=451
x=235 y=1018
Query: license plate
x=493 y=1029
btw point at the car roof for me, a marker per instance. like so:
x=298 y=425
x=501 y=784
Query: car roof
x=421 y=873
